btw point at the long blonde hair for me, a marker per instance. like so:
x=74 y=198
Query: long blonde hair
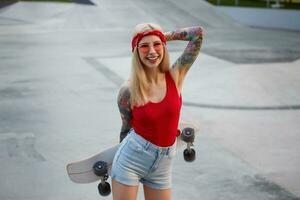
x=138 y=81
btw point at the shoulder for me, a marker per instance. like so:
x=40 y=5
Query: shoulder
x=124 y=88
x=124 y=94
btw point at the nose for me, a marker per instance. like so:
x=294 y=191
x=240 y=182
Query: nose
x=151 y=49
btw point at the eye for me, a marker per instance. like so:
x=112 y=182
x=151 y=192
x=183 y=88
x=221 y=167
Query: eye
x=157 y=46
x=144 y=48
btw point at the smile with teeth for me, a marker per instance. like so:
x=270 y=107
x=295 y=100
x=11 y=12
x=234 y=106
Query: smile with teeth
x=152 y=58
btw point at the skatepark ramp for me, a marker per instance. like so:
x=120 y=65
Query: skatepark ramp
x=166 y=13
x=225 y=38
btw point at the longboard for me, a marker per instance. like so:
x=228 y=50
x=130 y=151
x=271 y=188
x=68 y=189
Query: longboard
x=83 y=171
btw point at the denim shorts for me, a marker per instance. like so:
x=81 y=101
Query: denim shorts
x=138 y=160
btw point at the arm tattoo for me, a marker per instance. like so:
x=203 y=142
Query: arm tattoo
x=189 y=55
x=125 y=111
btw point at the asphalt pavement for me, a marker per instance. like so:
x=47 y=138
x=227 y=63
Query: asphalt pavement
x=60 y=69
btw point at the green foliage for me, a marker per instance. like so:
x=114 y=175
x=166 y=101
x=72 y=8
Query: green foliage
x=64 y=1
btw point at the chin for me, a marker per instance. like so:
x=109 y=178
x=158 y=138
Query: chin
x=152 y=65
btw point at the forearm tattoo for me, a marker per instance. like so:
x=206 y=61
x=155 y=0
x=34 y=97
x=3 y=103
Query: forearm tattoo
x=125 y=111
x=189 y=55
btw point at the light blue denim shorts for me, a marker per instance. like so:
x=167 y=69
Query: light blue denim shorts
x=138 y=160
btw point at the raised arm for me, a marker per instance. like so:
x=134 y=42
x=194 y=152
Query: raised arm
x=125 y=110
x=189 y=55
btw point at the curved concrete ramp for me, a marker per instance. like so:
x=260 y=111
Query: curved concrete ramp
x=35 y=12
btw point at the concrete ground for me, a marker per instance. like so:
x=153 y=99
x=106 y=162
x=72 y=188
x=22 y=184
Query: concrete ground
x=60 y=69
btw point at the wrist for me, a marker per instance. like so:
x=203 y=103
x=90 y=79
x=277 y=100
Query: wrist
x=168 y=35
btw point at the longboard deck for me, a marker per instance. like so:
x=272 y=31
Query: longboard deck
x=82 y=171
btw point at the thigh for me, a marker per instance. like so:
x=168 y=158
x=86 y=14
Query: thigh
x=123 y=192
x=156 y=194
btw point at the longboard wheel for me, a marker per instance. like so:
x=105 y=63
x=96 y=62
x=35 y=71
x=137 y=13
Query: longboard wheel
x=189 y=155
x=188 y=135
x=104 y=189
x=100 y=168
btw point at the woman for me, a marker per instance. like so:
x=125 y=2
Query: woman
x=149 y=105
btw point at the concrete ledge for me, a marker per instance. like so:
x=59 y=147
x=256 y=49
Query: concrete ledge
x=265 y=18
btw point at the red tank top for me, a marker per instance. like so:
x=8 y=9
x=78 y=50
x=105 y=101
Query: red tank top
x=158 y=122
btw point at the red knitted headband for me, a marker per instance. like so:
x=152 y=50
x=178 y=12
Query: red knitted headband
x=139 y=36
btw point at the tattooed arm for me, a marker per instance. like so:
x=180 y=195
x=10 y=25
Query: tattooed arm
x=125 y=110
x=189 y=55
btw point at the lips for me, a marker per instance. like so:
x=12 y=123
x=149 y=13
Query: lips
x=152 y=59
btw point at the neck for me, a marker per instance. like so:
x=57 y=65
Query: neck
x=154 y=76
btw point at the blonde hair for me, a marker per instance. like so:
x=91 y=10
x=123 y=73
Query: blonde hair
x=138 y=81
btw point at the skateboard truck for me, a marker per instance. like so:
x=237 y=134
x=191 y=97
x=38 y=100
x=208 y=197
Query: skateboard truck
x=100 y=169
x=188 y=136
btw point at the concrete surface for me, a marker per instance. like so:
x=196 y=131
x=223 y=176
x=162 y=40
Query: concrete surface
x=264 y=17
x=60 y=69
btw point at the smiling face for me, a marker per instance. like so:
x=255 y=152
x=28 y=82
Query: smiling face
x=151 y=51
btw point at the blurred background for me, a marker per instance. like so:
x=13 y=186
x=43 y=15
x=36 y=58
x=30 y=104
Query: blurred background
x=61 y=65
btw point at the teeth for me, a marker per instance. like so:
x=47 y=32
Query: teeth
x=152 y=58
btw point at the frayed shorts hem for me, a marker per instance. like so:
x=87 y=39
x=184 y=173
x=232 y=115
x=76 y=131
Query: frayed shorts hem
x=155 y=186
x=119 y=180
x=134 y=183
